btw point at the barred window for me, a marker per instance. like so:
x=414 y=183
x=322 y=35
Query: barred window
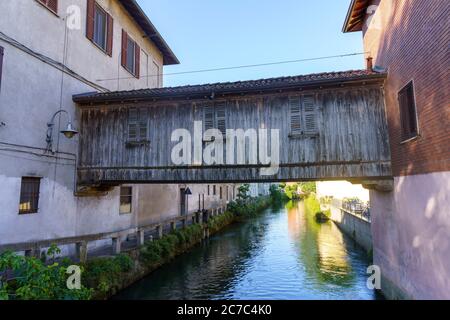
x=29 y=195
x=126 y=197
x=408 y=113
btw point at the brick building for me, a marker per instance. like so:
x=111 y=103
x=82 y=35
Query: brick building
x=411 y=227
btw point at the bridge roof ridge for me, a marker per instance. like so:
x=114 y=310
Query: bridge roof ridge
x=231 y=87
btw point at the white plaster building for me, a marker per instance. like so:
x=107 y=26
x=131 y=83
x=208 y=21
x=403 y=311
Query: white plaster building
x=53 y=50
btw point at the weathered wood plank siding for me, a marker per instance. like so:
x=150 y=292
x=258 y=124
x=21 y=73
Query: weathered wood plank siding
x=351 y=143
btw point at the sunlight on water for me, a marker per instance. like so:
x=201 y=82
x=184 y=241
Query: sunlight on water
x=283 y=254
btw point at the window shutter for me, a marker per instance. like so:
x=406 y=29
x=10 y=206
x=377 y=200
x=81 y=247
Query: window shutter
x=1 y=65
x=221 y=117
x=310 y=114
x=208 y=120
x=132 y=124
x=90 y=19
x=295 y=114
x=109 y=34
x=124 y=48
x=143 y=131
x=137 y=60
x=53 y=5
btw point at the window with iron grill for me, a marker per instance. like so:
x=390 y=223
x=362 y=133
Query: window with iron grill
x=29 y=195
x=126 y=198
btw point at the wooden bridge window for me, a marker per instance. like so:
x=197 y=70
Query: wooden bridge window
x=137 y=125
x=408 y=113
x=303 y=115
x=126 y=197
x=29 y=195
x=214 y=117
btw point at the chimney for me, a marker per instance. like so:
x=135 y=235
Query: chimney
x=369 y=63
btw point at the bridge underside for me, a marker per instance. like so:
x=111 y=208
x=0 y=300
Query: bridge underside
x=357 y=171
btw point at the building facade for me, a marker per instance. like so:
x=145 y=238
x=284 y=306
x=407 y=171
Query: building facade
x=52 y=51
x=411 y=226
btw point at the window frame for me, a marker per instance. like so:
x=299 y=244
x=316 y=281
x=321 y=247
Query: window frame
x=140 y=124
x=130 y=196
x=133 y=56
x=23 y=193
x=136 y=70
x=97 y=8
x=219 y=121
x=302 y=115
x=2 y=54
x=416 y=134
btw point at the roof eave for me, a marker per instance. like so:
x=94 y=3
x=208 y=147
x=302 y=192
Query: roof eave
x=169 y=57
x=347 y=27
x=87 y=99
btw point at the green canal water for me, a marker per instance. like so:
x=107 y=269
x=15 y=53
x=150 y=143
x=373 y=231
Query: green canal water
x=282 y=254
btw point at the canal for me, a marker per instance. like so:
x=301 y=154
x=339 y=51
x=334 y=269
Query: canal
x=282 y=254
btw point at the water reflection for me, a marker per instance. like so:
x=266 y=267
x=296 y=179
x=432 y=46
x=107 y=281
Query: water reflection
x=283 y=254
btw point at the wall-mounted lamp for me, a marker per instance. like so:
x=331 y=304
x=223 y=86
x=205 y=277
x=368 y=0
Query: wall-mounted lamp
x=69 y=132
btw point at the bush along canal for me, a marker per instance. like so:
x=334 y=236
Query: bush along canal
x=282 y=253
x=103 y=277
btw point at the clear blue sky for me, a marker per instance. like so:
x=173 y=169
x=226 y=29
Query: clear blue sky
x=220 y=33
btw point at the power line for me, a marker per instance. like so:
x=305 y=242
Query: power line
x=242 y=66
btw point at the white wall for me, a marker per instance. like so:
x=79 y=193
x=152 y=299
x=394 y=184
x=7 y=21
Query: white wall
x=31 y=93
x=341 y=189
x=411 y=236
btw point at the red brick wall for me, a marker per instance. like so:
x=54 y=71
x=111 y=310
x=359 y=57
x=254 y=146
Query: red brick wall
x=410 y=38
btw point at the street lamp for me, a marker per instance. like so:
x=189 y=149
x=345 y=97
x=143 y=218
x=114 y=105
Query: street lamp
x=69 y=132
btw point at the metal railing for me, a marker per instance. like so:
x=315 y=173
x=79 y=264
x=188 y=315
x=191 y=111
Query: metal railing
x=34 y=248
x=358 y=208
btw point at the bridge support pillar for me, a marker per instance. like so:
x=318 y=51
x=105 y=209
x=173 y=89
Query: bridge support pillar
x=379 y=185
x=116 y=243
x=82 y=251
x=141 y=237
x=159 y=230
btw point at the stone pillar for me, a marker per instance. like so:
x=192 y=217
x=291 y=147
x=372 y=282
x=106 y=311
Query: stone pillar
x=116 y=243
x=82 y=251
x=159 y=230
x=33 y=253
x=173 y=225
x=140 y=237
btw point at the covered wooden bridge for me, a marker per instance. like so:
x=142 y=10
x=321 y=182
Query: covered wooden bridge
x=321 y=127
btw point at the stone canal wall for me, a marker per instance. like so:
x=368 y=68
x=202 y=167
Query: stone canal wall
x=356 y=227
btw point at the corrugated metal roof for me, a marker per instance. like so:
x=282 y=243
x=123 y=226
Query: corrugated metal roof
x=151 y=32
x=231 y=87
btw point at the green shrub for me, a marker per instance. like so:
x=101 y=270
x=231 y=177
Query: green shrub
x=34 y=280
